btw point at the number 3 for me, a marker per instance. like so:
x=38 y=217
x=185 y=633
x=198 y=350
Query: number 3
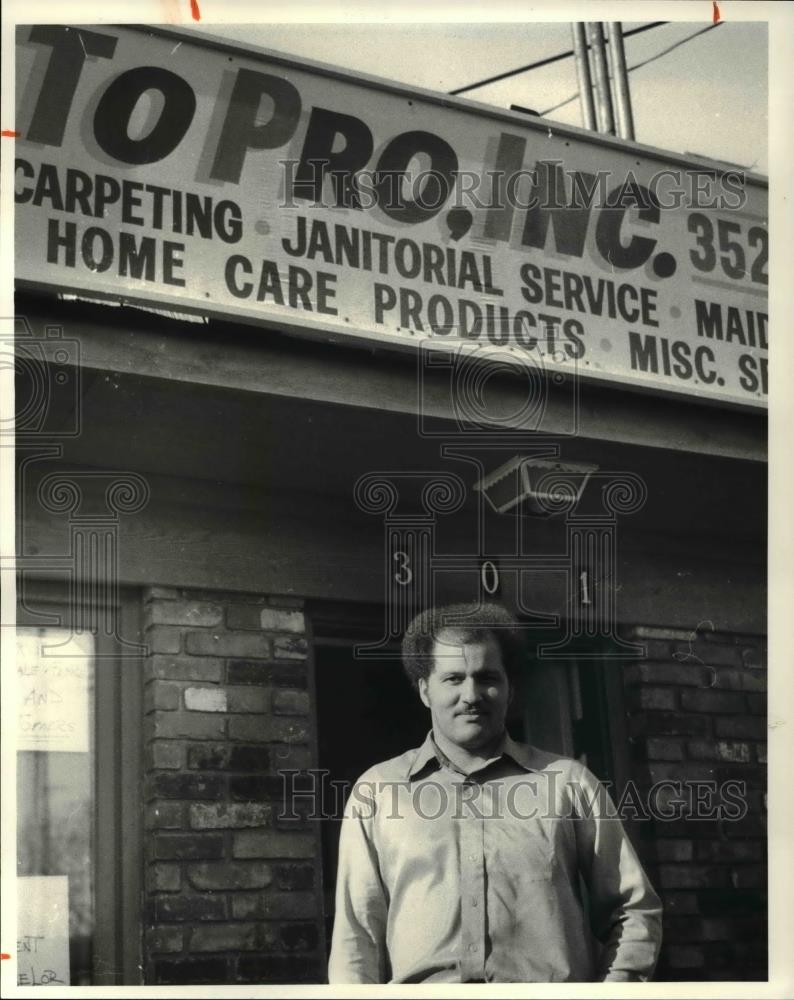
x=404 y=574
x=701 y=225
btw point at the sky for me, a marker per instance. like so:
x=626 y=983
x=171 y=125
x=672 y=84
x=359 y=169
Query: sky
x=708 y=96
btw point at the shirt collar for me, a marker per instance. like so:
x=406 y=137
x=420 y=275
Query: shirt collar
x=429 y=754
x=522 y=753
x=424 y=755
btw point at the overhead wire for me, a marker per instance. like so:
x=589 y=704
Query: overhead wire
x=545 y=62
x=639 y=65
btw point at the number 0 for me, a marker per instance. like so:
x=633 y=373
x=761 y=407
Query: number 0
x=489 y=575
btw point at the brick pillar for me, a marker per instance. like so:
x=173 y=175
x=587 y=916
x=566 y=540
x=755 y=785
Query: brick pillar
x=232 y=892
x=697 y=713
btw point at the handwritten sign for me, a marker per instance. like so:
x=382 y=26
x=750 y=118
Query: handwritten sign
x=43 y=930
x=53 y=670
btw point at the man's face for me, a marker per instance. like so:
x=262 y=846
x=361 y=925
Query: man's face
x=467 y=691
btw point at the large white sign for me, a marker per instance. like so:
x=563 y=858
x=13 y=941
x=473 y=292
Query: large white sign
x=161 y=168
x=43 y=930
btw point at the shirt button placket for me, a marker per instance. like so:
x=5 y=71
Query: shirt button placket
x=472 y=888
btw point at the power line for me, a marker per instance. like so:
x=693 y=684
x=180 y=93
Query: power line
x=675 y=45
x=645 y=62
x=546 y=62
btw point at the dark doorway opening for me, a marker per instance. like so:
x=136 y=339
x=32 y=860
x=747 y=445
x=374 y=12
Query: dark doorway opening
x=367 y=711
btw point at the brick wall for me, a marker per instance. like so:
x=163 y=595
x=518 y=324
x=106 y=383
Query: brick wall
x=232 y=892
x=697 y=713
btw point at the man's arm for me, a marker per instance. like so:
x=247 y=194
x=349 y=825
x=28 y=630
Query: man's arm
x=625 y=912
x=358 y=944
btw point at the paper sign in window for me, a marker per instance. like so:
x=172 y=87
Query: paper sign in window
x=53 y=672
x=43 y=931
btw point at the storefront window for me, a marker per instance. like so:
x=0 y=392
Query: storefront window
x=55 y=806
x=79 y=818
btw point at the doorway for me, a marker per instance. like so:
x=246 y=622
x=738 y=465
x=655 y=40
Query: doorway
x=367 y=712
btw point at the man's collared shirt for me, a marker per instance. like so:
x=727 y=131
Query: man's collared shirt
x=447 y=877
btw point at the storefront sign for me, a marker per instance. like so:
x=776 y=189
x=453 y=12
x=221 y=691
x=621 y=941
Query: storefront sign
x=163 y=169
x=43 y=930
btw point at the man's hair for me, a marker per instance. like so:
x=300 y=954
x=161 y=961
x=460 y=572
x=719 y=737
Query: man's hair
x=471 y=622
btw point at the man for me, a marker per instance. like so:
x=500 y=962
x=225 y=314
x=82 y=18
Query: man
x=463 y=860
